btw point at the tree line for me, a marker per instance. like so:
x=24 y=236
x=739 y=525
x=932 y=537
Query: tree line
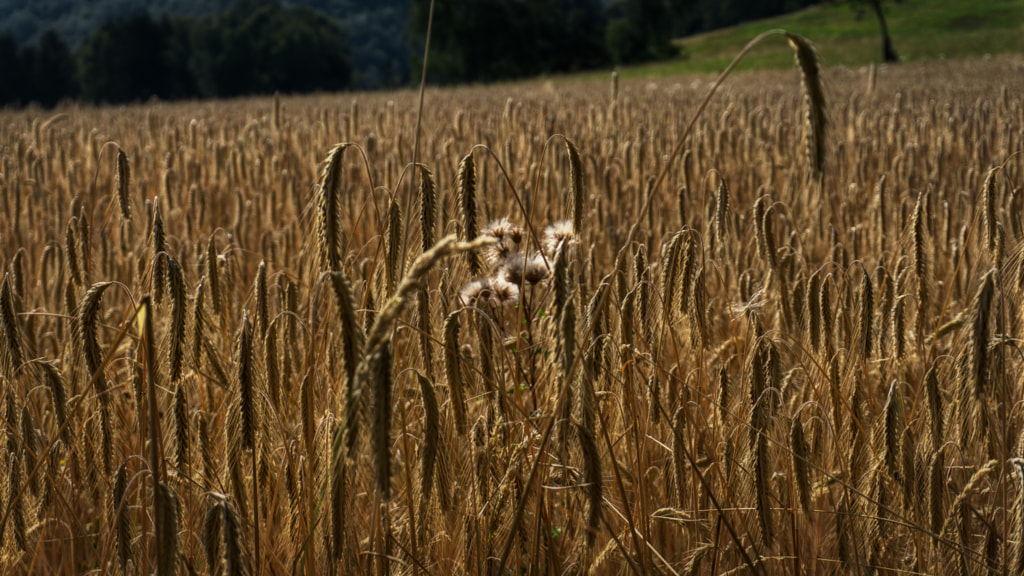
x=485 y=40
x=255 y=48
x=262 y=46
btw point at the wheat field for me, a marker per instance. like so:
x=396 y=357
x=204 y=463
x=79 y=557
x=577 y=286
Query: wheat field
x=250 y=337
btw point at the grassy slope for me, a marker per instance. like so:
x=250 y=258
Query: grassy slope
x=921 y=29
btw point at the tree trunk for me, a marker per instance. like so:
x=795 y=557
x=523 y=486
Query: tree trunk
x=888 y=53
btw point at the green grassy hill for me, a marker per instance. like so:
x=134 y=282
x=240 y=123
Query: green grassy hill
x=920 y=29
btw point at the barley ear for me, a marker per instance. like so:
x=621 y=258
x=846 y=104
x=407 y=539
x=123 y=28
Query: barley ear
x=424 y=330
x=88 y=340
x=18 y=274
x=801 y=464
x=352 y=332
x=122 y=183
x=892 y=429
x=935 y=410
x=234 y=563
x=431 y=445
x=1017 y=554
x=58 y=396
x=669 y=277
x=720 y=224
x=379 y=372
x=690 y=260
x=980 y=332
x=212 y=535
x=121 y=520
x=182 y=434
x=428 y=208
x=453 y=370
x=814 y=310
x=328 y=210
x=176 y=336
x=919 y=240
x=898 y=329
x=167 y=519
x=11 y=347
x=762 y=488
x=393 y=247
x=213 y=277
x=814 y=97
x=988 y=205
x=245 y=375
x=339 y=506
x=465 y=185
x=86 y=246
x=71 y=249
x=759 y=230
x=270 y=364
x=206 y=450
x=159 y=246
x=679 y=456
x=31 y=444
x=575 y=188
x=262 y=301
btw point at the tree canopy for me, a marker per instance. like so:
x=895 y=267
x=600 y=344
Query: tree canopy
x=256 y=48
x=43 y=73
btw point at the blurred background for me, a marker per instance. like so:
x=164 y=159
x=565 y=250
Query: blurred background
x=114 y=51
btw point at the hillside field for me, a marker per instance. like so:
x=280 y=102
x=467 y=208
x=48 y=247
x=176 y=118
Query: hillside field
x=921 y=30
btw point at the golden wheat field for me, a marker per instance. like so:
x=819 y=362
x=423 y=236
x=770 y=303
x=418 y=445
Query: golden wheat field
x=248 y=337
